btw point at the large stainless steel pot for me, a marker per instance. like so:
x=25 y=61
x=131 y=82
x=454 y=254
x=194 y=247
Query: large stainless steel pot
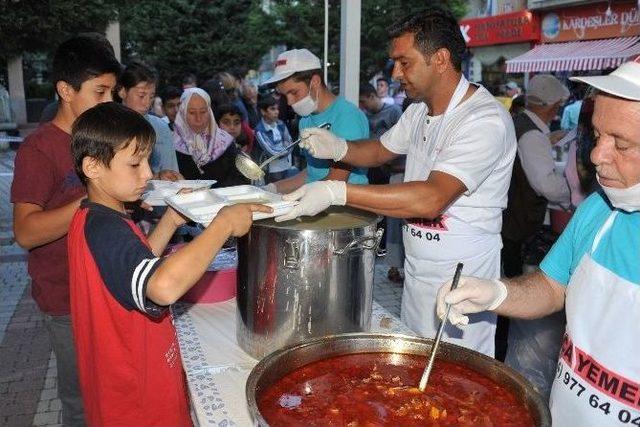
x=305 y=278
x=277 y=364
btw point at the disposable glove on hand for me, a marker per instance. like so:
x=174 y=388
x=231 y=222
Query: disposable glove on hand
x=472 y=295
x=322 y=144
x=314 y=198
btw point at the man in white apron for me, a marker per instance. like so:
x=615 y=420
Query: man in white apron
x=460 y=146
x=593 y=270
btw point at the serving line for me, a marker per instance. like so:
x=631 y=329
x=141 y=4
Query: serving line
x=217 y=368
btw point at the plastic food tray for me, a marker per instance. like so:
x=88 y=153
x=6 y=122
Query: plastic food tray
x=203 y=206
x=158 y=190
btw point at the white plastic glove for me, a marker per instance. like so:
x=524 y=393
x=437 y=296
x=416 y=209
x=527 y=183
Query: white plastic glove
x=322 y=144
x=314 y=198
x=271 y=188
x=472 y=295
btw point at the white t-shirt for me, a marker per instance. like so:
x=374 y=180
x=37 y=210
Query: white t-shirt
x=388 y=100
x=478 y=147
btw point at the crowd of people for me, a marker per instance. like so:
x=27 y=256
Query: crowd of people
x=458 y=177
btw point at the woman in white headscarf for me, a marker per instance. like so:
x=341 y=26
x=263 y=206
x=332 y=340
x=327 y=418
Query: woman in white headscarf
x=203 y=150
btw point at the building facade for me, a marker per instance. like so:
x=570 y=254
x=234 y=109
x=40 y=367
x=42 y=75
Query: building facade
x=581 y=37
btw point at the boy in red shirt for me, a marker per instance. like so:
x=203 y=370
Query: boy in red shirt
x=46 y=192
x=128 y=356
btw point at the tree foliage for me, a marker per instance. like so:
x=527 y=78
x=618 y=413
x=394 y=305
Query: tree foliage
x=186 y=36
x=377 y=16
x=299 y=24
x=204 y=36
x=39 y=25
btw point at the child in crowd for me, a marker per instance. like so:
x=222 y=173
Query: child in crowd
x=170 y=105
x=137 y=89
x=128 y=356
x=46 y=192
x=229 y=118
x=273 y=137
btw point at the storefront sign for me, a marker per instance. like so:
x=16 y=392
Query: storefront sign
x=514 y=27
x=591 y=22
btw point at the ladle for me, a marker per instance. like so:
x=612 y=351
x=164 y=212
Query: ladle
x=436 y=343
x=253 y=171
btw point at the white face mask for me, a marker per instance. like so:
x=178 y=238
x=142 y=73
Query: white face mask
x=306 y=106
x=626 y=199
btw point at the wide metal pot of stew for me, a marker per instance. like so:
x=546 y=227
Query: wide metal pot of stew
x=369 y=379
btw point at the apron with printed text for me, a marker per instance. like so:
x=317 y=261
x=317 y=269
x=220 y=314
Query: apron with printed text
x=597 y=381
x=433 y=249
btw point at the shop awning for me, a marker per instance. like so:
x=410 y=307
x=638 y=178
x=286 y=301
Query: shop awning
x=576 y=56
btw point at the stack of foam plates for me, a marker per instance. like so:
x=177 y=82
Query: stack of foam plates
x=158 y=190
x=203 y=206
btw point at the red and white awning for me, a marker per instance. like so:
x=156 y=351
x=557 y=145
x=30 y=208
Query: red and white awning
x=576 y=56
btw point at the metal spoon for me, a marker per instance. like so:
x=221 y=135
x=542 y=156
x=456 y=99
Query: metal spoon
x=434 y=349
x=253 y=171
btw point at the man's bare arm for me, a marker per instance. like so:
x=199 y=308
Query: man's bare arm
x=367 y=153
x=287 y=185
x=338 y=172
x=532 y=296
x=417 y=199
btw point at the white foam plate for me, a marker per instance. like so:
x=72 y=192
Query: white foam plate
x=203 y=206
x=158 y=190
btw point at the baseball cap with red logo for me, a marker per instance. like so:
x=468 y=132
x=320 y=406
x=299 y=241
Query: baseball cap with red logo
x=624 y=82
x=293 y=61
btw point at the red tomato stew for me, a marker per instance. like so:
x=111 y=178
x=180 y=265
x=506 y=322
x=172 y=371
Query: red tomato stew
x=376 y=389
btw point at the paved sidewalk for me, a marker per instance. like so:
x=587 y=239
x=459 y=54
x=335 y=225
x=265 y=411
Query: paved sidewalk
x=25 y=353
x=28 y=394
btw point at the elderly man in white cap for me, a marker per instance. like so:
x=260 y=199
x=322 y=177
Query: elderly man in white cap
x=593 y=271
x=298 y=77
x=512 y=89
x=534 y=181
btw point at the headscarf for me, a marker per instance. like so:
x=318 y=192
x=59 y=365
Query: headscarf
x=205 y=146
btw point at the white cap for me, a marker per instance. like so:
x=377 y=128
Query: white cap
x=512 y=85
x=545 y=89
x=624 y=82
x=293 y=61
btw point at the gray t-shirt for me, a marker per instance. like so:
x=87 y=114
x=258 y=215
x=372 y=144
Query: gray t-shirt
x=383 y=120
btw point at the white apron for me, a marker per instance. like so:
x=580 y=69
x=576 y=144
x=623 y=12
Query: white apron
x=433 y=249
x=597 y=382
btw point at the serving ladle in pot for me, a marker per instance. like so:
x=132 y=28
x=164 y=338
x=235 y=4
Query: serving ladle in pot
x=255 y=172
x=436 y=343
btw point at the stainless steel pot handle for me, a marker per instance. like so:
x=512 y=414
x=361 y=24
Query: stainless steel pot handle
x=361 y=243
x=291 y=257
